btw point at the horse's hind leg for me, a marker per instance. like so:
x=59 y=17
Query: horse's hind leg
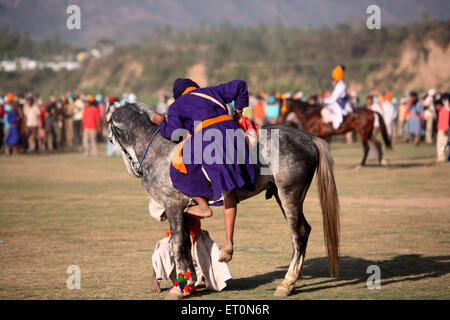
x=366 y=148
x=377 y=144
x=300 y=230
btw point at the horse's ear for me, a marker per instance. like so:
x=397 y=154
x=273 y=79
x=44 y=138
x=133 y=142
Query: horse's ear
x=110 y=109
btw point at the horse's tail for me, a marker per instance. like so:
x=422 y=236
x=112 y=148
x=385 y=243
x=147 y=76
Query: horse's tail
x=329 y=202
x=383 y=130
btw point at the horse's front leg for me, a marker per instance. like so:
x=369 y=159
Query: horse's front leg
x=181 y=247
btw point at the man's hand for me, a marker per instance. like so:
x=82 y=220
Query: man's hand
x=158 y=118
x=237 y=114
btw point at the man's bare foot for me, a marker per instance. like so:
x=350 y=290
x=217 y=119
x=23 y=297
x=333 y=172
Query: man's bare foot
x=227 y=253
x=154 y=285
x=200 y=211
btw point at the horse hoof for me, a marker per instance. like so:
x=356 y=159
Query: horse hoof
x=174 y=294
x=283 y=291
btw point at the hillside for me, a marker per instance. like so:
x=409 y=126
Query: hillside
x=284 y=59
x=126 y=21
x=270 y=58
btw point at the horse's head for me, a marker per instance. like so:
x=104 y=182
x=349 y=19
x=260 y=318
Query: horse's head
x=128 y=127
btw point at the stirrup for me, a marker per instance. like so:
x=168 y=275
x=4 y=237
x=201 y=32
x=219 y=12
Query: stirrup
x=192 y=202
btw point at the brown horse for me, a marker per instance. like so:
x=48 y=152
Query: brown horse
x=361 y=121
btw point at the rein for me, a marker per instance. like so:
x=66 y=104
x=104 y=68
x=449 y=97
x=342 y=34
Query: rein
x=146 y=149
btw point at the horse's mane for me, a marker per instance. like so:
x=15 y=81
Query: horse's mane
x=138 y=113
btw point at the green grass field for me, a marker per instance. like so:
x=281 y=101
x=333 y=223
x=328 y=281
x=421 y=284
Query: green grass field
x=65 y=209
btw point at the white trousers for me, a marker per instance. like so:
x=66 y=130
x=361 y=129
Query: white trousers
x=205 y=256
x=336 y=112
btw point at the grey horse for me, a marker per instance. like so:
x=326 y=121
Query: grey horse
x=300 y=156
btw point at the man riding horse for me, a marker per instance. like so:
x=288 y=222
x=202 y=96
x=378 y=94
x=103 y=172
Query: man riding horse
x=337 y=102
x=288 y=159
x=194 y=110
x=315 y=117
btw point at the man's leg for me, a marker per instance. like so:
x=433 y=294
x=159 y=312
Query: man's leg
x=29 y=136
x=416 y=139
x=440 y=145
x=85 y=142
x=337 y=116
x=93 y=142
x=229 y=210
x=50 y=139
x=154 y=285
x=429 y=130
x=69 y=132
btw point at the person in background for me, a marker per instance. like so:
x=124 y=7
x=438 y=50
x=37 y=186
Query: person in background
x=429 y=115
x=170 y=101
x=402 y=115
x=20 y=99
x=443 y=109
x=162 y=106
x=371 y=105
x=41 y=130
x=78 y=118
x=131 y=97
x=259 y=114
x=59 y=127
x=91 y=125
x=110 y=148
x=375 y=95
x=415 y=118
x=12 y=140
x=272 y=110
x=101 y=111
x=389 y=115
x=50 y=124
x=248 y=112
x=374 y=106
x=2 y=122
x=9 y=99
x=249 y=127
x=31 y=112
x=68 y=110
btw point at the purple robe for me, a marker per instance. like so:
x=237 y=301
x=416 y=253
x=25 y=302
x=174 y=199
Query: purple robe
x=224 y=176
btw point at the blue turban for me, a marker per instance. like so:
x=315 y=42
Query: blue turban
x=182 y=84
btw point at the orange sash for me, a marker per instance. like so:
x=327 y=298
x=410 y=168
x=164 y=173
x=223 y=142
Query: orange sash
x=177 y=158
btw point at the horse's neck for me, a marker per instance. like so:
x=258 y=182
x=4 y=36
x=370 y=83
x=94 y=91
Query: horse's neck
x=142 y=140
x=158 y=143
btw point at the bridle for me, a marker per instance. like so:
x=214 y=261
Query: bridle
x=137 y=165
x=132 y=161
